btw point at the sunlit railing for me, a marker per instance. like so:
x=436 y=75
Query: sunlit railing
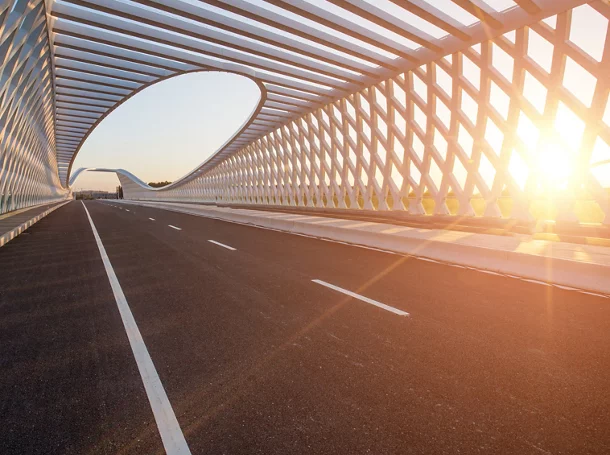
x=517 y=126
x=512 y=127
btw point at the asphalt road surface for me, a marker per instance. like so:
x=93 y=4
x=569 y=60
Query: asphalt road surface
x=271 y=343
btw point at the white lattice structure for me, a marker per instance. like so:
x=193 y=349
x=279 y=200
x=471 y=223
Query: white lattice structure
x=462 y=129
x=427 y=107
x=28 y=171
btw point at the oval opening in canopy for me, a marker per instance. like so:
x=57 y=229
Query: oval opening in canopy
x=168 y=129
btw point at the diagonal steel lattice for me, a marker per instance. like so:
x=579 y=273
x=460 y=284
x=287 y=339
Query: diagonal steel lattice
x=407 y=139
x=392 y=118
x=28 y=173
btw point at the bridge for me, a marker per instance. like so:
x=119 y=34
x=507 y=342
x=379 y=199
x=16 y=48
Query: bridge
x=404 y=249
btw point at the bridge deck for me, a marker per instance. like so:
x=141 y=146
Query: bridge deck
x=257 y=358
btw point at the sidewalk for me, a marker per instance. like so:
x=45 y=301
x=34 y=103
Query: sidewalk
x=585 y=267
x=14 y=223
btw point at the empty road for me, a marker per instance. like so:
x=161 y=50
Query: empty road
x=270 y=343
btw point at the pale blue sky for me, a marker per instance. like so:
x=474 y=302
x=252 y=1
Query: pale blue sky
x=166 y=130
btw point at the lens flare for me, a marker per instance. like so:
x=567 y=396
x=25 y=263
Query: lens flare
x=555 y=164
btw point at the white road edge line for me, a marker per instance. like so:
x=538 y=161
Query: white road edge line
x=169 y=428
x=389 y=308
x=174 y=227
x=151 y=219
x=222 y=245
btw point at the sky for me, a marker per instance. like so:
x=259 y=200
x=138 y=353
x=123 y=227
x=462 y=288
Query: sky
x=167 y=129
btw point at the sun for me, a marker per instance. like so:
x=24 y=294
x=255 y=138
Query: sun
x=554 y=165
x=551 y=153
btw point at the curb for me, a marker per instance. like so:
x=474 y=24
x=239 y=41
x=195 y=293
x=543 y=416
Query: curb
x=579 y=275
x=10 y=235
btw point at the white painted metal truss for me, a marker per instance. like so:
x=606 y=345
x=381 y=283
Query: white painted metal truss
x=28 y=171
x=425 y=106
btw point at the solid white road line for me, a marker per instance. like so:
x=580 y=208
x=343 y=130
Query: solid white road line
x=389 y=308
x=174 y=227
x=169 y=429
x=222 y=245
x=151 y=219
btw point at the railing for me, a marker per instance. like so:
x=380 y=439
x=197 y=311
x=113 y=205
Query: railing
x=511 y=127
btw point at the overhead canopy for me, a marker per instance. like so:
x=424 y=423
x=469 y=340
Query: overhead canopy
x=301 y=53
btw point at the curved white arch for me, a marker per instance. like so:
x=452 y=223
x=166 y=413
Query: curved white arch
x=123 y=172
x=133 y=187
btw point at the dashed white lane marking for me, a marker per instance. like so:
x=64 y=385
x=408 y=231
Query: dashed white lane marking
x=355 y=245
x=222 y=245
x=389 y=308
x=174 y=227
x=169 y=429
x=151 y=219
x=127 y=210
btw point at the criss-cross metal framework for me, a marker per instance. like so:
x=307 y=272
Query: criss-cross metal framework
x=29 y=168
x=430 y=107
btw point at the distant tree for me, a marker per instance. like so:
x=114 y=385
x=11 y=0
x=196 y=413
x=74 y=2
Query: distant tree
x=158 y=184
x=119 y=192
